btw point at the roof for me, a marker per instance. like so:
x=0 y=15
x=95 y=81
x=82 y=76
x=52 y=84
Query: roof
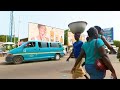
x=8 y=43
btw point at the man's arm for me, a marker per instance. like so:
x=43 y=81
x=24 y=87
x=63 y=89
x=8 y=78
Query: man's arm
x=69 y=56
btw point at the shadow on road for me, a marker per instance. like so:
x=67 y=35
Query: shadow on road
x=27 y=62
x=5 y=63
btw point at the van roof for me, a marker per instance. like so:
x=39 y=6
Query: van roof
x=42 y=41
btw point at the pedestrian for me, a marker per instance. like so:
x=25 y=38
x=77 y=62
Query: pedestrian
x=87 y=50
x=100 y=35
x=76 y=48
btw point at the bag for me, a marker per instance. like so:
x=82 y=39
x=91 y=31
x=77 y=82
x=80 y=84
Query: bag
x=99 y=64
x=79 y=72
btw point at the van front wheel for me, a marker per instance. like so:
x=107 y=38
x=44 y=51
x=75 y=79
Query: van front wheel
x=17 y=59
x=57 y=57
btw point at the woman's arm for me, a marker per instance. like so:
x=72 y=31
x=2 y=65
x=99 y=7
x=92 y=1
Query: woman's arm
x=107 y=44
x=106 y=60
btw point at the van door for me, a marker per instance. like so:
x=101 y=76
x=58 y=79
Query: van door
x=55 y=48
x=30 y=51
x=44 y=50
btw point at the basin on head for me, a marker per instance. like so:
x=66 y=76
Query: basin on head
x=78 y=26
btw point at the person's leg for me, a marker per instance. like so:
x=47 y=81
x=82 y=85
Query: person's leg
x=86 y=76
x=82 y=66
x=78 y=64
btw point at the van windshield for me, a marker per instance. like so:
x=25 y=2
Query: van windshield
x=23 y=44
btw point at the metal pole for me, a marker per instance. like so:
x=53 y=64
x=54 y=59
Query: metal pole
x=11 y=25
x=18 y=30
x=14 y=29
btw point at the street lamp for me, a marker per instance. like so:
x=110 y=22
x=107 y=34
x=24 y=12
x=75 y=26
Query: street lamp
x=78 y=26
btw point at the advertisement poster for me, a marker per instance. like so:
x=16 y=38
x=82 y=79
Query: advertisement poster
x=108 y=33
x=60 y=35
x=71 y=39
x=45 y=33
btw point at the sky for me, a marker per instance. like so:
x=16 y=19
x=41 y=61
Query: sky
x=59 y=19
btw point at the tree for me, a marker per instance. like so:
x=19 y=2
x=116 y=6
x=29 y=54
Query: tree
x=3 y=38
x=66 y=37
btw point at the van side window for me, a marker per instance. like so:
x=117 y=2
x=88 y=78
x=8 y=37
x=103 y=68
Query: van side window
x=44 y=44
x=30 y=44
x=59 y=45
x=54 y=45
x=39 y=44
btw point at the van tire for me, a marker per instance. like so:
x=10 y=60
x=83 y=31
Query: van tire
x=17 y=59
x=57 y=57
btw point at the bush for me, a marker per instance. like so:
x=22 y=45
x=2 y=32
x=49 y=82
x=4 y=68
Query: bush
x=116 y=43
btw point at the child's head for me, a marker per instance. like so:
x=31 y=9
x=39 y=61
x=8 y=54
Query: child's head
x=87 y=39
x=100 y=30
x=77 y=36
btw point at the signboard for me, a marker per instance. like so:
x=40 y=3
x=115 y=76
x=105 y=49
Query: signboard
x=45 y=33
x=108 y=33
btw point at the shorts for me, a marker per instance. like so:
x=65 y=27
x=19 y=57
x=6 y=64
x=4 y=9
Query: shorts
x=94 y=74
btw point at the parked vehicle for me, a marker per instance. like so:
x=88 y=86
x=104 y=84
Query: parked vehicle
x=9 y=45
x=115 y=48
x=34 y=51
x=118 y=54
x=65 y=49
x=107 y=50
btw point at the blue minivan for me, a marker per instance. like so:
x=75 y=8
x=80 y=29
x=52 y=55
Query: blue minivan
x=35 y=50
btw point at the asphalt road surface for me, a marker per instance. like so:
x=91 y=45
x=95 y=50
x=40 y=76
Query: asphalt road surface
x=44 y=69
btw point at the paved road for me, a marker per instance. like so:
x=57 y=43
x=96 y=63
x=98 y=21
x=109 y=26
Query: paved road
x=45 y=69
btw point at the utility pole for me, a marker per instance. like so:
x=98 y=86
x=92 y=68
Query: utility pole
x=14 y=29
x=18 y=30
x=11 y=25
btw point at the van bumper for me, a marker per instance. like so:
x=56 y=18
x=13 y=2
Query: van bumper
x=62 y=54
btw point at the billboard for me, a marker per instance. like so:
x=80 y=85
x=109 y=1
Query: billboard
x=45 y=33
x=71 y=39
x=108 y=33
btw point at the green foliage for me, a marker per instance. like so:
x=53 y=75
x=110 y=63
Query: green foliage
x=3 y=38
x=116 y=43
x=66 y=37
